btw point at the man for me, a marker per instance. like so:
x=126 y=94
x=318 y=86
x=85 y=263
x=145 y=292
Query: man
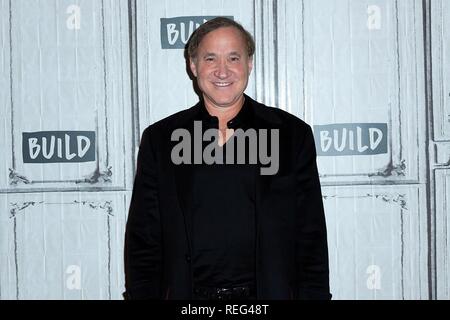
x=226 y=230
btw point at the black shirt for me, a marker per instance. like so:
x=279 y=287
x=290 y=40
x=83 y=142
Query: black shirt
x=223 y=213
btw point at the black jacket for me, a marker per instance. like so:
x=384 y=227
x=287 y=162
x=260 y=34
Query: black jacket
x=291 y=251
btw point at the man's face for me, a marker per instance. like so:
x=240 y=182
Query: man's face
x=222 y=67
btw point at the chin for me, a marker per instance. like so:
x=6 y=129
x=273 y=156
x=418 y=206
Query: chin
x=224 y=99
x=224 y=102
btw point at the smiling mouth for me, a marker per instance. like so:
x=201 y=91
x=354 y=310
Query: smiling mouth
x=222 y=84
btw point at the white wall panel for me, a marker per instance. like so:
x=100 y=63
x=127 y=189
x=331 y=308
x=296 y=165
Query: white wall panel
x=364 y=64
x=377 y=240
x=69 y=71
x=62 y=246
x=442 y=178
x=5 y=88
x=440 y=26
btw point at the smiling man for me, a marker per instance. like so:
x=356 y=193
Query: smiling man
x=225 y=230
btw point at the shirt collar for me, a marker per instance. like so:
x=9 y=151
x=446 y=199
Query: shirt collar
x=241 y=120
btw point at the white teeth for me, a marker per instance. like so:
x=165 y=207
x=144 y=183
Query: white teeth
x=222 y=84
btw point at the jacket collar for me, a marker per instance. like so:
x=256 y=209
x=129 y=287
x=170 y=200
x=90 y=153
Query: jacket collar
x=252 y=114
x=243 y=119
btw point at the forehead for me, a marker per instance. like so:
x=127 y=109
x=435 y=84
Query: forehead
x=223 y=39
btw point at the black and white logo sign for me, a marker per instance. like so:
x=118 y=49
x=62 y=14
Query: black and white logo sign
x=58 y=146
x=351 y=139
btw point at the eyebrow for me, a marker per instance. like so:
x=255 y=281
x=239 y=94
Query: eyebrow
x=211 y=54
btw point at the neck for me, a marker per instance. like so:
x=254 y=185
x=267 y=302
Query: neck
x=224 y=114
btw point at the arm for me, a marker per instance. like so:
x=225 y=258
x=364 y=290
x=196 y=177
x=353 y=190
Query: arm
x=143 y=252
x=311 y=241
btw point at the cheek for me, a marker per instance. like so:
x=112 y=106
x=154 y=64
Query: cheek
x=204 y=73
x=243 y=69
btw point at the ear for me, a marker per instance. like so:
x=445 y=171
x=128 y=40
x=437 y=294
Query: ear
x=193 y=67
x=250 y=64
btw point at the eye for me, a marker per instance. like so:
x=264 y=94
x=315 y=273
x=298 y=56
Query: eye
x=209 y=59
x=234 y=59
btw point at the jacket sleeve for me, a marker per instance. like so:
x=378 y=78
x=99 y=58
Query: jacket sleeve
x=143 y=250
x=311 y=241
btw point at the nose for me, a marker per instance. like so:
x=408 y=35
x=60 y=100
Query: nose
x=222 y=71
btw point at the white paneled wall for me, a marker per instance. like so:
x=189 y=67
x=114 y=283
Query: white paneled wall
x=62 y=245
x=378 y=238
x=109 y=67
x=68 y=69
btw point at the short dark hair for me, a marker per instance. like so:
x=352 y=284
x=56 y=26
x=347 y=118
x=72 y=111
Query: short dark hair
x=213 y=24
